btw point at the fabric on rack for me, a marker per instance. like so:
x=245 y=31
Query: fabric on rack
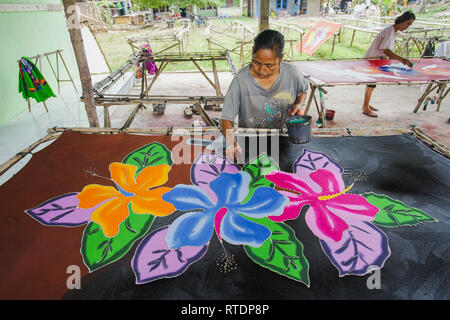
x=443 y=50
x=149 y=65
x=32 y=84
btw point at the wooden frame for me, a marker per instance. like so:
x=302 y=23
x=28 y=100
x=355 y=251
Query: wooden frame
x=177 y=39
x=317 y=85
x=58 y=55
x=55 y=132
x=107 y=100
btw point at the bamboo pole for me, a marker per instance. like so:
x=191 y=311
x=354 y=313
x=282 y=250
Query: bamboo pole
x=83 y=68
x=216 y=78
x=160 y=70
x=106 y=117
x=425 y=94
x=204 y=74
x=317 y=132
x=8 y=164
x=442 y=97
x=311 y=96
x=418 y=133
x=98 y=44
x=127 y=100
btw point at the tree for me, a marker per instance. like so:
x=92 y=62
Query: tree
x=178 y=3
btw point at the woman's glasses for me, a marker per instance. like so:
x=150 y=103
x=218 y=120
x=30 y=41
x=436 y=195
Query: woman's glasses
x=259 y=65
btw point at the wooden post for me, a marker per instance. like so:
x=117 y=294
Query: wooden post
x=160 y=70
x=311 y=96
x=106 y=117
x=74 y=27
x=442 y=95
x=58 y=53
x=263 y=15
x=241 y=55
x=353 y=36
x=98 y=44
x=216 y=78
x=45 y=105
x=422 y=98
x=334 y=40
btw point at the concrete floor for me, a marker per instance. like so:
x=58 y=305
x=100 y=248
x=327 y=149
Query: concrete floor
x=395 y=103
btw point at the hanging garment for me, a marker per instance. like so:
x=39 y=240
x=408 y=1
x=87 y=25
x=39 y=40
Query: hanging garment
x=31 y=82
x=429 y=49
x=149 y=65
x=443 y=50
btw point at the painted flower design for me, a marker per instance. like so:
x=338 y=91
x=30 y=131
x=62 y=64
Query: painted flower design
x=330 y=207
x=226 y=215
x=140 y=192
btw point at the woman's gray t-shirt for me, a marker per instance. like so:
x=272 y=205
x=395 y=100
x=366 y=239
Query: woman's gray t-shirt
x=261 y=108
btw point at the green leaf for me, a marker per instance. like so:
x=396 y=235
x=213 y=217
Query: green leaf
x=98 y=250
x=394 y=213
x=257 y=169
x=153 y=154
x=281 y=253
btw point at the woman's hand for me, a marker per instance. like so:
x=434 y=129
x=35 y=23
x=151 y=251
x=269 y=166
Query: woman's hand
x=297 y=109
x=232 y=151
x=407 y=62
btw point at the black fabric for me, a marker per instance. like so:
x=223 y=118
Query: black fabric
x=429 y=49
x=398 y=166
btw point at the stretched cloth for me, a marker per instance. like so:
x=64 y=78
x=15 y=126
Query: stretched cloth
x=32 y=83
x=35 y=256
x=377 y=70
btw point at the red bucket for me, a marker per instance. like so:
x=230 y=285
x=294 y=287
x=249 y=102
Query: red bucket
x=329 y=114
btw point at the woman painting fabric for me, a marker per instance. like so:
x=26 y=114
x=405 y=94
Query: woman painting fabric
x=265 y=93
x=381 y=48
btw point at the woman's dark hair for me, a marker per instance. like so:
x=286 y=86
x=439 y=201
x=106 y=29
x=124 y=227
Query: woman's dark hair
x=269 y=39
x=405 y=17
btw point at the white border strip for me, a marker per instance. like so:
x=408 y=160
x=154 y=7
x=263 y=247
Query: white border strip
x=30 y=7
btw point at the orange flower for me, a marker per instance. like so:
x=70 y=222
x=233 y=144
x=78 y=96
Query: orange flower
x=130 y=190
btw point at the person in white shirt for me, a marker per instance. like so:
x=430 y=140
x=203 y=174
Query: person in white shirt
x=444 y=50
x=382 y=48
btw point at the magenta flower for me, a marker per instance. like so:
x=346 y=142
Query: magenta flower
x=331 y=208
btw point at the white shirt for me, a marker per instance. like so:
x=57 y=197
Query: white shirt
x=384 y=40
x=443 y=50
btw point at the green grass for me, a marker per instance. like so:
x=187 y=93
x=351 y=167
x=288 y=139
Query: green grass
x=430 y=12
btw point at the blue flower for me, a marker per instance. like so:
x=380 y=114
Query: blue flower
x=226 y=216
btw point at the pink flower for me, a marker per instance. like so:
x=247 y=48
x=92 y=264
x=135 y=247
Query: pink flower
x=330 y=207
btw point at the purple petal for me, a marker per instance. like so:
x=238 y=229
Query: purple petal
x=207 y=168
x=309 y=162
x=362 y=246
x=62 y=211
x=154 y=260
